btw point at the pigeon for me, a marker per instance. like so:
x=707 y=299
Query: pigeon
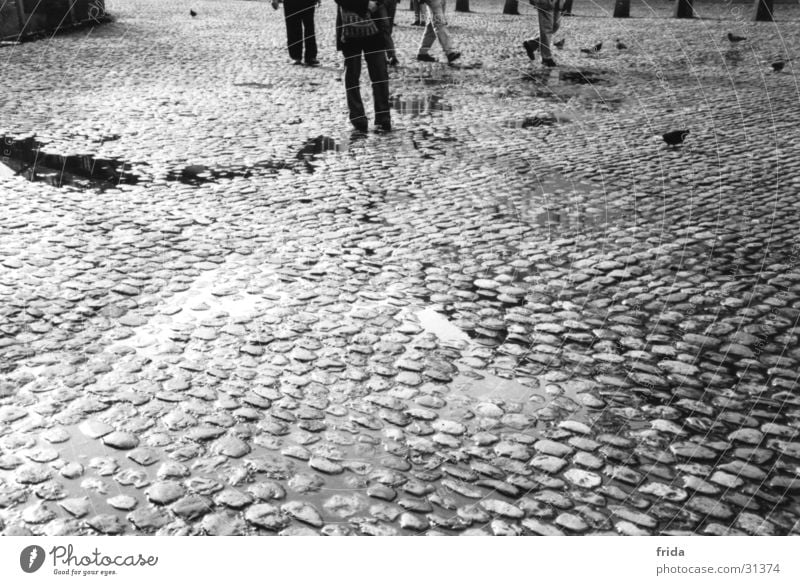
x=735 y=39
x=559 y=44
x=675 y=137
x=621 y=46
x=778 y=66
x=193 y=13
x=593 y=50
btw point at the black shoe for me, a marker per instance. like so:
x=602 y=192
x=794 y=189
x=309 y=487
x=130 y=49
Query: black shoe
x=312 y=63
x=418 y=23
x=360 y=125
x=426 y=58
x=548 y=63
x=383 y=126
x=531 y=47
x=297 y=61
x=454 y=56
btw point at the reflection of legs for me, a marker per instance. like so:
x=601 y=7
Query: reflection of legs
x=439 y=25
x=430 y=35
x=352 y=76
x=308 y=30
x=376 y=66
x=294 y=28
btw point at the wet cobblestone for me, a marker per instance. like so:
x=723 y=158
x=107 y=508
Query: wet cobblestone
x=519 y=313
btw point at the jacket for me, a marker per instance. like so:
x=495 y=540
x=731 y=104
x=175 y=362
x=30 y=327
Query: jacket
x=357 y=6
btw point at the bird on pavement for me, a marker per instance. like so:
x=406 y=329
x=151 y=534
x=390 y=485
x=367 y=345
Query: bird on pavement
x=593 y=50
x=778 y=66
x=621 y=46
x=735 y=39
x=193 y=13
x=559 y=44
x=675 y=137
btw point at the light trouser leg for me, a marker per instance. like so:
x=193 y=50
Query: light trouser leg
x=546 y=11
x=437 y=8
x=430 y=35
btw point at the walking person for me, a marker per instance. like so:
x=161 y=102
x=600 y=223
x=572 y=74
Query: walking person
x=374 y=50
x=436 y=28
x=299 y=15
x=549 y=21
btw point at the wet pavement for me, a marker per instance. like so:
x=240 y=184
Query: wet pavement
x=519 y=313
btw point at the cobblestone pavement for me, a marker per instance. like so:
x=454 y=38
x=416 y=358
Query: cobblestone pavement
x=519 y=313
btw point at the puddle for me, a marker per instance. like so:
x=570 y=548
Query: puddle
x=254 y=85
x=436 y=323
x=418 y=105
x=153 y=337
x=535 y=121
x=555 y=201
x=553 y=78
x=493 y=387
x=319 y=145
x=24 y=157
x=584 y=85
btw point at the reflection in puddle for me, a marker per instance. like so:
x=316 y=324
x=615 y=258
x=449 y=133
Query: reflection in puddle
x=418 y=105
x=254 y=85
x=439 y=325
x=586 y=216
x=319 y=145
x=567 y=86
x=200 y=174
x=24 y=157
x=556 y=202
x=534 y=121
x=155 y=336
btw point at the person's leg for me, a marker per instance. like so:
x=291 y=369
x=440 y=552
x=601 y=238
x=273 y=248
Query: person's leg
x=430 y=34
x=294 y=28
x=379 y=76
x=352 y=75
x=310 y=37
x=439 y=25
x=544 y=8
x=417 y=6
x=556 y=16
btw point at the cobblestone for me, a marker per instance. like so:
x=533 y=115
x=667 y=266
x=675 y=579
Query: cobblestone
x=257 y=323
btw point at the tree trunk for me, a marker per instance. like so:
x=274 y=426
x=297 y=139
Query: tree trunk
x=763 y=11
x=511 y=7
x=622 y=9
x=462 y=5
x=566 y=7
x=683 y=9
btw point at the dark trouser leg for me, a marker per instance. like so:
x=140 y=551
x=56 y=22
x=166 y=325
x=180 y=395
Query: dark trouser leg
x=391 y=10
x=352 y=75
x=292 y=11
x=308 y=31
x=378 y=74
